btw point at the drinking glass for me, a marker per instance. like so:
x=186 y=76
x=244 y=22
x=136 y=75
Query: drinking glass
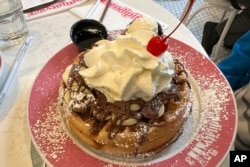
x=12 y=23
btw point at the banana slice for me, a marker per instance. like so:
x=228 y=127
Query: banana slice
x=130 y=121
x=135 y=107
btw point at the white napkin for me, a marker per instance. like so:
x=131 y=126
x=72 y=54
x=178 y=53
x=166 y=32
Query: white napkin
x=118 y=16
x=27 y=4
x=54 y=8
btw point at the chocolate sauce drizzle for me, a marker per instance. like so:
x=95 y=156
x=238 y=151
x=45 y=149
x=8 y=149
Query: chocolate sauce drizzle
x=146 y=114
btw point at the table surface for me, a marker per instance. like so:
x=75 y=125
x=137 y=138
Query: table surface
x=50 y=34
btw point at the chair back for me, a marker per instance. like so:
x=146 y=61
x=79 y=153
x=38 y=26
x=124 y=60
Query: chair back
x=235 y=4
x=220 y=3
x=185 y=13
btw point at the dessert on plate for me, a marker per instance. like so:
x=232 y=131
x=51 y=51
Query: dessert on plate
x=120 y=99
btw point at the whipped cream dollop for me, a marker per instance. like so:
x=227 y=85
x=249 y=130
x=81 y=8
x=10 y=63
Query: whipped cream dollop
x=123 y=69
x=143 y=23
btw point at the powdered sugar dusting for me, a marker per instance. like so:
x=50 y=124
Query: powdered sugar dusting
x=217 y=113
x=50 y=133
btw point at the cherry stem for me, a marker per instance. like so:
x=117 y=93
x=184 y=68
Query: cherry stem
x=187 y=11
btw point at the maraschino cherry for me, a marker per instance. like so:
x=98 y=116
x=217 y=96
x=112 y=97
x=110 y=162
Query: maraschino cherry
x=158 y=44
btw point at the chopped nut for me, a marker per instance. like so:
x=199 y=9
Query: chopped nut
x=75 y=84
x=67 y=96
x=118 y=122
x=108 y=117
x=95 y=112
x=162 y=109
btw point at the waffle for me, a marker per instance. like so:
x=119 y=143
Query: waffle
x=124 y=128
